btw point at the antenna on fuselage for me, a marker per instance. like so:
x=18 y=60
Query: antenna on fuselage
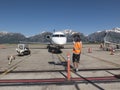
x=53 y=30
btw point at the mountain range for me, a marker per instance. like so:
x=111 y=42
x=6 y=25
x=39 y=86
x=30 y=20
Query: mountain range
x=111 y=35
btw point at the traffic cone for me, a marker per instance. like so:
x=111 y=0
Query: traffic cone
x=68 y=67
x=101 y=45
x=89 y=50
x=111 y=51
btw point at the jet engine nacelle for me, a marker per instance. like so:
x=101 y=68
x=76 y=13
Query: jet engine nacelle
x=48 y=37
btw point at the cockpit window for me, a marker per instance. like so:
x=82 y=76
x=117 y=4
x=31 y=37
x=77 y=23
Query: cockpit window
x=58 y=35
x=55 y=36
x=62 y=35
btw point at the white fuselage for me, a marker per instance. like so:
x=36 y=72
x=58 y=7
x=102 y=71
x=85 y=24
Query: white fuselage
x=58 y=38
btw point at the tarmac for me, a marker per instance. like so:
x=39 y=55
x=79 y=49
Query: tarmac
x=47 y=70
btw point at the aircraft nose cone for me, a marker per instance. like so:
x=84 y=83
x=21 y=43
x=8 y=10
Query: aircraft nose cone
x=60 y=41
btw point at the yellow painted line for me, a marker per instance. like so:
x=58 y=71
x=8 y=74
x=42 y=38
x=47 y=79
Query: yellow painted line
x=61 y=58
x=7 y=71
x=11 y=68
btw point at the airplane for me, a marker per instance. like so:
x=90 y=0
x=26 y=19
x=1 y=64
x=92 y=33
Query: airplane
x=57 y=39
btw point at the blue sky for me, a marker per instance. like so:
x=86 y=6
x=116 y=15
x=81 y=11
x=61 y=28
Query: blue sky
x=31 y=17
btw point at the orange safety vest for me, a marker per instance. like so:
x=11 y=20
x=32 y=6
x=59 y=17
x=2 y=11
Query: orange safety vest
x=77 y=47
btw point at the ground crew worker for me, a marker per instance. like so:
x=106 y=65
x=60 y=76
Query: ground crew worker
x=77 y=47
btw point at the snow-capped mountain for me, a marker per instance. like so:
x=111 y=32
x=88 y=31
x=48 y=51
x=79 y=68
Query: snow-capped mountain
x=69 y=31
x=9 y=37
x=113 y=34
x=3 y=33
x=117 y=30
